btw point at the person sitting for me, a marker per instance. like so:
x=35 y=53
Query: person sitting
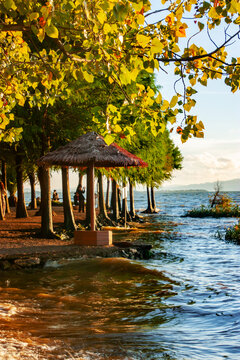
x=55 y=196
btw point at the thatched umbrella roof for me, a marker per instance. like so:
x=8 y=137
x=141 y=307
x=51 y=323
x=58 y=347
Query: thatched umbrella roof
x=91 y=149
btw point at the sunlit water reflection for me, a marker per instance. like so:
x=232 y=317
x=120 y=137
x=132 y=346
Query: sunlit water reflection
x=183 y=304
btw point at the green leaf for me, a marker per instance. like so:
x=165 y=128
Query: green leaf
x=9 y=4
x=34 y=16
x=200 y=26
x=51 y=31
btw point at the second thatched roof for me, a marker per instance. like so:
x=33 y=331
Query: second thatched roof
x=91 y=149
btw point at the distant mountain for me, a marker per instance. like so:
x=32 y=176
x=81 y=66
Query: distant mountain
x=229 y=185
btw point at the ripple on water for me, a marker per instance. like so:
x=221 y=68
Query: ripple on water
x=183 y=304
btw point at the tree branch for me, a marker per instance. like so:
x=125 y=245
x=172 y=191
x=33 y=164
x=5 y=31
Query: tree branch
x=196 y=57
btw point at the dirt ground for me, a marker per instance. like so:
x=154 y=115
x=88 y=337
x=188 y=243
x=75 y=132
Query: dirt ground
x=17 y=233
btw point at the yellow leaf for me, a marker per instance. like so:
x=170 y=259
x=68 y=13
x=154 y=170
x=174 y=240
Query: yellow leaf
x=137 y=6
x=157 y=46
x=142 y=40
x=192 y=81
x=140 y=19
x=170 y=19
x=109 y=139
x=213 y=13
x=159 y=98
x=180 y=32
x=88 y=77
x=41 y=35
x=175 y=48
x=107 y=28
x=117 y=128
x=174 y=101
x=165 y=105
x=101 y=17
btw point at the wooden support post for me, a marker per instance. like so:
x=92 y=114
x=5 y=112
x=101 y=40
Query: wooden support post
x=92 y=198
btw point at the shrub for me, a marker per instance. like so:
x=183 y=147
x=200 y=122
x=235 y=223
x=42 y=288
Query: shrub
x=233 y=233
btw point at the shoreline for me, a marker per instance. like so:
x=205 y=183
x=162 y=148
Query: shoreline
x=20 y=248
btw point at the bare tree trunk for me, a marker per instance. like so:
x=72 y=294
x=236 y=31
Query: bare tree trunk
x=4 y=180
x=46 y=204
x=149 y=209
x=115 y=201
x=88 y=209
x=1 y=209
x=101 y=201
x=33 y=203
x=107 y=194
x=69 y=221
x=21 y=211
x=119 y=199
x=44 y=179
x=131 y=196
x=80 y=179
x=124 y=212
x=153 y=199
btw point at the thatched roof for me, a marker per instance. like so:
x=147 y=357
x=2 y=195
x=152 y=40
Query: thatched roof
x=91 y=149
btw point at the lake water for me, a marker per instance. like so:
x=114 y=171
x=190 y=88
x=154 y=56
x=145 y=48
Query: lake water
x=183 y=304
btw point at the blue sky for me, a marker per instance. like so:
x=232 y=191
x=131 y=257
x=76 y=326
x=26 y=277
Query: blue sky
x=217 y=155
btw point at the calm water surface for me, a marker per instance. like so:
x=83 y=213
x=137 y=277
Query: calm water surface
x=183 y=304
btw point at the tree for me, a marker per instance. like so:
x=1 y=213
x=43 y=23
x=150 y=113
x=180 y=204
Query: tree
x=44 y=46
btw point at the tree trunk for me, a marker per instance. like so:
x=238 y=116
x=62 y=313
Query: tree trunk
x=101 y=201
x=33 y=203
x=149 y=209
x=69 y=221
x=119 y=199
x=124 y=213
x=46 y=204
x=131 y=196
x=107 y=194
x=44 y=179
x=88 y=203
x=21 y=211
x=153 y=199
x=115 y=201
x=80 y=179
x=1 y=209
x=4 y=180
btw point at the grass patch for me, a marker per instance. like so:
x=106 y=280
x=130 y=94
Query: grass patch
x=216 y=212
x=220 y=205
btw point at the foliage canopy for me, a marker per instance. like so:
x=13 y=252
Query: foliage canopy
x=45 y=45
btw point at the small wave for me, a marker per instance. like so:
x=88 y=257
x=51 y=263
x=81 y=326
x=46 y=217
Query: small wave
x=7 y=310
